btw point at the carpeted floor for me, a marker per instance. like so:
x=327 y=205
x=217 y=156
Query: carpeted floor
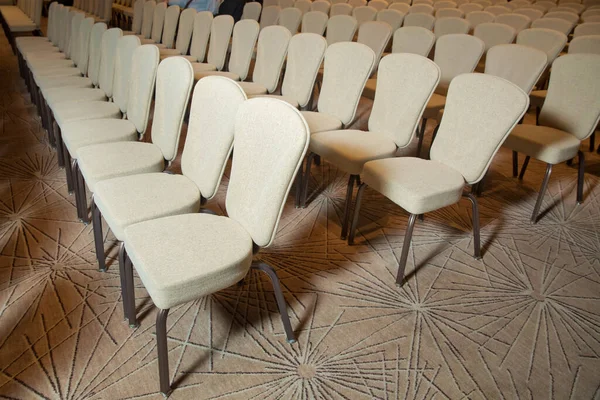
x=523 y=322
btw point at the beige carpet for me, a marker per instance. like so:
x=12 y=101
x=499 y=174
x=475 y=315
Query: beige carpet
x=524 y=322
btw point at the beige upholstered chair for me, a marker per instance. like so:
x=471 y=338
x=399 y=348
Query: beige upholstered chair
x=340 y=28
x=544 y=6
x=393 y=18
x=517 y=21
x=567 y=16
x=138 y=15
x=158 y=23
x=493 y=34
x=338 y=1
x=269 y=16
x=214 y=252
x=290 y=18
x=470 y=7
x=440 y=5
x=147 y=19
x=303 y=6
x=402 y=7
x=320 y=5
x=497 y=10
x=450 y=25
x=519 y=64
x=400 y=1
x=201 y=32
x=252 y=10
x=531 y=13
x=587 y=28
x=590 y=12
x=549 y=41
x=269 y=3
x=479 y=17
x=405 y=84
x=169 y=28
x=449 y=13
x=481 y=112
x=340 y=9
x=592 y=18
x=357 y=3
x=421 y=9
x=419 y=20
x=589 y=44
x=378 y=4
x=286 y=4
x=314 y=22
x=428 y=2
x=570 y=114
x=557 y=24
x=184 y=34
x=220 y=34
x=376 y=35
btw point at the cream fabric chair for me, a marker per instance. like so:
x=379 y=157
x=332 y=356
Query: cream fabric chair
x=340 y=9
x=127 y=200
x=557 y=24
x=428 y=2
x=413 y=39
x=530 y=13
x=592 y=18
x=567 y=16
x=378 y=4
x=393 y=18
x=419 y=20
x=338 y=1
x=303 y=6
x=269 y=3
x=578 y=8
x=497 y=10
x=169 y=28
x=450 y=25
x=590 y=12
x=147 y=19
x=470 y=7
x=570 y=114
x=544 y=5
x=516 y=21
x=252 y=10
x=269 y=16
x=78 y=134
x=400 y=1
x=549 y=41
x=138 y=15
x=357 y=3
x=314 y=22
x=421 y=9
x=481 y=112
x=493 y=34
x=245 y=34
x=220 y=35
x=340 y=28
x=587 y=28
x=440 y=5
x=461 y=2
x=479 y=17
x=202 y=30
x=184 y=35
x=589 y=44
x=519 y=64
x=158 y=23
x=449 y=13
x=321 y=6
x=290 y=18
x=402 y=7
x=563 y=8
x=24 y=42
x=405 y=84
x=286 y=4
x=215 y=252
x=376 y=35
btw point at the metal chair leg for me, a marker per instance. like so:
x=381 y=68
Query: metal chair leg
x=80 y=193
x=98 y=238
x=163 y=351
x=281 y=305
x=68 y=169
x=405 y=247
x=357 y=204
x=580 y=176
x=124 y=291
x=346 y=215
x=515 y=160
x=476 y=236
x=419 y=145
x=59 y=144
x=299 y=186
x=129 y=299
x=538 y=203
x=306 y=179
x=433 y=136
x=593 y=141
x=524 y=168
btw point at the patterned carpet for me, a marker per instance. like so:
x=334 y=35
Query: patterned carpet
x=523 y=322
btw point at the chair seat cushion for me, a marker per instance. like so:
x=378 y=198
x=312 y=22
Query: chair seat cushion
x=41 y=55
x=369 y=90
x=111 y=160
x=230 y=75
x=537 y=97
x=131 y=199
x=58 y=95
x=46 y=63
x=78 y=134
x=55 y=72
x=435 y=104
x=69 y=81
x=416 y=185
x=253 y=89
x=349 y=150
x=546 y=144
x=147 y=41
x=164 y=53
x=39 y=45
x=288 y=99
x=81 y=110
x=202 y=67
x=184 y=257
x=194 y=60
x=321 y=122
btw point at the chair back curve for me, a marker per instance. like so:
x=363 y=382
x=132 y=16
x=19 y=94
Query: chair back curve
x=123 y=74
x=143 y=68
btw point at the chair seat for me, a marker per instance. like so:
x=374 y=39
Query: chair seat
x=164 y=53
x=253 y=89
x=193 y=60
x=112 y=160
x=184 y=257
x=49 y=53
x=435 y=104
x=349 y=150
x=230 y=75
x=128 y=200
x=61 y=94
x=55 y=72
x=70 y=81
x=76 y=111
x=161 y=46
x=147 y=41
x=369 y=90
x=202 y=67
x=321 y=122
x=37 y=45
x=78 y=134
x=537 y=97
x=288 y=99
x=416 y=185
x=546 y=144
x=57 y=62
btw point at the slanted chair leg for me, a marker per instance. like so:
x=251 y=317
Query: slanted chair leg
x=538 y=203
x=298 y=197
x=59 y=144
x=593 y=142
x=124 y=291
x=81 y=193
x=419 y=145
x=346 y=215
x=476 y=236
x=98 y=238
x=433 y=136
x=129 y=299
x=68 y=170
x=524 y=168
x=357 y=204
x=405 y=247
x=281 y=305
x=163 y=352
x=515 y=160
x=580 y=176
x=306 y=179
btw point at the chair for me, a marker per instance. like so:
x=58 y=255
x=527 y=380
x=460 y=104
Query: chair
x=357 y=3
x=421 y=9
x=405 y=84
x=400 y=1
x=147 y=19
x=569 y=115
x=290 y=18
x=402 y=7
x=314 y=22
x=376 y=35
x=483 y=3
x=440 y=5
x=338 y=1
x=320 y=5
x=519 y=64
x=393 y=18
x=220 y=34
x=286 y=4
x=269 y=3
x=206 y=238
x=480 y=113
x=252 y=10
x=450 y=25
x=589 y=44
x=422 y=20
x=578 y=8
x=557 y=24
x=158 y=22
x=169 y=28
x=340 y=9
x=136 y=23
x=449 y=13
x=493 y=34
x=413 y=39
x=530 y=13
x=378 y=4
x=479 y=17
x=567 y=16
x=201 y=32
x=270 y=16
x=587 y=28
x=591 y=18
x=516 y=21
x=184 y=34
x=470 y=7
x=589 y=13
x=303 y=6
x=340 y=28
x=428 y=2
x=549 y=41
x=497 y=10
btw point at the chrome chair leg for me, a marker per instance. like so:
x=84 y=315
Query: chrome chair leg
x=476 y=235
x=538 y=203
x=580 y=177
x=129 y=300
x=347 y=206
x=356 y=214
x=405 y=247
x=163 y=352
x=98 y=237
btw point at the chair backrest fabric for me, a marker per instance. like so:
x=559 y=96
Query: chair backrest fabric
x=449 y=25
x=290 y=18
x=202 y=30
x=271 y=50
x=170 y=27
x=138 y=12
x=144 y=67
x=314 y=22
x=413 y=39
x=456 y=54
x=320 y=5
x=185 y=30
x=364 y=14
x=421 y=20
x=158 y=22
x=589 y=44
x=83 y=54
x=245 y=34
x=252 y=10
x=557 y=24
x=269 y=16
x=340 y=28
x=148 y=18
x=549 y=41
x=96 y=51
x=220 y=34
x=393 y=18
x=479 y=17
x=123 y=72
x=494 y=34
x=522 y=65
x=110 y=40
x=587 y=28
x=340 y=9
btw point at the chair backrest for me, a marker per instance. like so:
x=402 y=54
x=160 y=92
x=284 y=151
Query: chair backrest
x=405 y=83
x=376 y=35
x=158 y=22
x=556 y=24
x=245 y=34
x=271 y=50
x=286 y=4
x=456 y=54
x=497 y=10
x=357 y=3
x=220 y=34
x=428 y=2
x=440 y=5
x=421 y=9
x=96 y=51
x=522 y=65
x=531 y=13
x=479 y=17
x=52 y=21
x=340 y=9
x=413 y=39
x=123 y=72
x=338 y=1
x=144 y=65
x=203 y=22
x=401 y=7
x=304 y=57
x=269 y=3
x=587 y=28
x=567 y=16
x=314 y=22
x=303 y=6
x=494 y=34
x=72 y=43
x=450 y=25
x=347 y=68
x=185 y=30
x=516 y=21
x=138 y=12
x=83 y=54
x=393 y=18
x=480 y=112
x=572 y=103
x=547 y=40
x=290 y=18
x=110 y=40
x=449 y=13
x=171 y=20
x=420 y=19
x=578 y=8
x=255 y=196
x=209 y=141
x=590 y=12
x=148 y=18
x=340 y=28
x=252 y=10
x=378 y=4
x=484 y=3
x=546 y=5
x=174 y=82
x=589 y=44
x=270 y=16
x=470 y=7
x=320 y=5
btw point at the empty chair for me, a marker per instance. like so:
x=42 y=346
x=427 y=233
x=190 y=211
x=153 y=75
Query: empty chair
x=402 y=7
x=340 y=28
x=449 y=13
x=286 y=3
x=340 y=9
x=220 y=34
x=428 y=2
x=589 y=44
x=483 y=3
x=421 y=9
x=290 y=18
x=461 y=2
x=481 y=112
x=303 y=5
x=567 y=16
x=578 y=8
x=320 y=5
x=494 y=34
x=562 y=8
x=201 y=32
x=357 y=3
x=516 y=21
x=470 y=7
x=314 y=22
x=549 y=41
x=439 y=5
x=170 y=27
x=158 y=23
x=446 y=26
x=147 y=19
x=252 y=10
x=557 y=24
x=521 y=65
x=516 y=4
x=413 y=39
x=136 y=23
x=400 y=1
x=569 y=115
x=269 y=16
x=479 y=17
x=269 y=3
x=378 y=4
x=364 y=14
x=591 y=18
x=376 y=35
x=338 y=1
x=184 y=34
x=531 y=13
x=393 y=18
x=420 y=20
x=497 y=10
x=590 y=13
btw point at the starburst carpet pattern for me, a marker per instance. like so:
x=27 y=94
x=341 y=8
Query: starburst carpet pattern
x=523 y=322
